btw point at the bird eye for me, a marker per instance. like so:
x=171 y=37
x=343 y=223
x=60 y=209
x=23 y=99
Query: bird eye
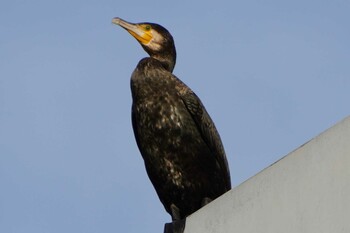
x=148 y=27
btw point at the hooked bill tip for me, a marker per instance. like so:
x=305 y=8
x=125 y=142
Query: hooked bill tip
x=116 y=20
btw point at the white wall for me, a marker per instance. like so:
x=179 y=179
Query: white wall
x=306 y=191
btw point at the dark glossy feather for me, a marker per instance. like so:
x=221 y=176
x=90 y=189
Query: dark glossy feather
x=182 y=150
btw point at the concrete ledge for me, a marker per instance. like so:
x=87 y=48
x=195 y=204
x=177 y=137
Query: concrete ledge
x=306 y=191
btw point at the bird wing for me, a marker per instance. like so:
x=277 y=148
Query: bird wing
x=206 y=127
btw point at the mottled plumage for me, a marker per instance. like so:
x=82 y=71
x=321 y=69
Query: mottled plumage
x=181 y=148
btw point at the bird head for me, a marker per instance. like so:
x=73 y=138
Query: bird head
x=154 y=38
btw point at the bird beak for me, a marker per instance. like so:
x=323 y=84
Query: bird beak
x=139 y=31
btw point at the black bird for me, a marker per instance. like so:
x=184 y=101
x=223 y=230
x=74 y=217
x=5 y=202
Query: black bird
x=182 y=150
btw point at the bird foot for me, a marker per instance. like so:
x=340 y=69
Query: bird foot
x=206 y=201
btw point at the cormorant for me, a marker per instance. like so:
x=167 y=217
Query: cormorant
x=182 y=150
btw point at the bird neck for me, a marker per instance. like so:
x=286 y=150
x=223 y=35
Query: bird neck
x=166 y=56
x=168 y=62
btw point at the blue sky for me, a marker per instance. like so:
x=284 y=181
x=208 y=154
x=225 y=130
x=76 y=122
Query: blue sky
x=272 y=74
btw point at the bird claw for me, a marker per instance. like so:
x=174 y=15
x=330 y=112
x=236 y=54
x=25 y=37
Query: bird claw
x=206 y=201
